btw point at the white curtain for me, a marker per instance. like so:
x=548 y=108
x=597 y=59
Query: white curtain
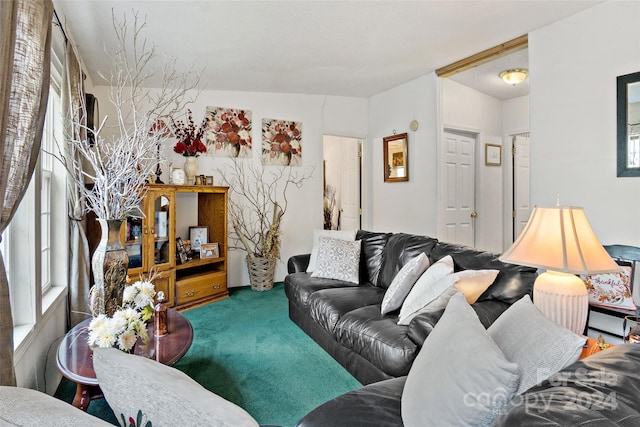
x=79 y=274
x=25 y=60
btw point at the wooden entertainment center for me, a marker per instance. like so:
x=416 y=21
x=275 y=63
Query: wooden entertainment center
x=169 y=212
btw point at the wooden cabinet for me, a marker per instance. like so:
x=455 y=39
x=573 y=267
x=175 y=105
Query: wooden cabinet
x=169 y=211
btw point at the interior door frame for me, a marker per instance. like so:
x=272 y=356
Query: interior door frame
x=476 y=134
x=361 y=189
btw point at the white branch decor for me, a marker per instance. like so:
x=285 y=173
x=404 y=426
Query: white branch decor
x=257 y=203
x=119 y=165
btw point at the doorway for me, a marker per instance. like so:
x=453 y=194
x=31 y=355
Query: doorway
x=458 y=184
x=521 y=172
x=342 y=182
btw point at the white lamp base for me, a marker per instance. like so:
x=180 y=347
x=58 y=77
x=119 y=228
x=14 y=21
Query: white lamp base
x=562 y=298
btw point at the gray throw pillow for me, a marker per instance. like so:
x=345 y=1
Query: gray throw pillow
x=336 y=234
x=402 y=283
x=338 y=259
x=165 y=396
x=538 y=345
x=460 y=377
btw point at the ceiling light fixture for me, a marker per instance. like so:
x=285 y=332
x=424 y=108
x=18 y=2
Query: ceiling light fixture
x=514 y=76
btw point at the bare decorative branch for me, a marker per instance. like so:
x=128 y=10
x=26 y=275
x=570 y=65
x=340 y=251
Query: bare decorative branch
x=119 y=165
x=257 y=203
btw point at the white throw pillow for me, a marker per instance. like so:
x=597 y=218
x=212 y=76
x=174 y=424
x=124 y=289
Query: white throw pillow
x=538 y=345
x=424 y=291
x=403 y=282
x=338 y=259
x=460 y=377
x=164 y=395
x=336 y=234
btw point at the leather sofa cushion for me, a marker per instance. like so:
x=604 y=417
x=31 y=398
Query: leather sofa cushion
x=512 y=283
x=401 y=248
x=299 y=286
x=378 y=338
x=599 y=390
x=327 y=306
x=374 y=405
x=373 y=245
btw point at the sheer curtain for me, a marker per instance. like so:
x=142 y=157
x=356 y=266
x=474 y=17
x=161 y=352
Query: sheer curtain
x=79 y=274
x=25 y=37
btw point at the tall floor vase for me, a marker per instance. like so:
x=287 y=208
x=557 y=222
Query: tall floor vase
x=109 y=263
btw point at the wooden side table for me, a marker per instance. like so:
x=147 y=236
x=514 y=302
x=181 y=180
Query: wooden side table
x=75 y=357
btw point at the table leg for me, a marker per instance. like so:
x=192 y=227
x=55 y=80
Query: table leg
x=84 y=394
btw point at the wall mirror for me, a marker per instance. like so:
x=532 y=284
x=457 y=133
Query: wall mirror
x=396 y=158
x=629 y=124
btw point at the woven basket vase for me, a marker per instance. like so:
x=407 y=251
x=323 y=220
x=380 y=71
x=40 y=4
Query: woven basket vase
x=261 y=273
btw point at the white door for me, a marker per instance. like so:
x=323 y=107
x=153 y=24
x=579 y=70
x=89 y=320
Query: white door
x=521 y=176
x=350 y=191
x=459 y=188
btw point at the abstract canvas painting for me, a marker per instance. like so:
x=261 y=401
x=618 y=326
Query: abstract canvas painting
x=228 y=132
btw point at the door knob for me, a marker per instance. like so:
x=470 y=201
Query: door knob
x=474 y=214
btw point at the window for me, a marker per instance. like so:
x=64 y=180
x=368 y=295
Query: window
x=34 y=245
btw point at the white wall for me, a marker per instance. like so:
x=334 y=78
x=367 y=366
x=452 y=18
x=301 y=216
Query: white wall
x=573 y=69
x=467 y=109
x=403 y=206
x=319 y=115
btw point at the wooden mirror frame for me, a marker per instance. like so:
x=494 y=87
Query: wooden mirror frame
x=623 y=83
x=387 y=143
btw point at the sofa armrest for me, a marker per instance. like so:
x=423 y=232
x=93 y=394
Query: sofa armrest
x=298 y=263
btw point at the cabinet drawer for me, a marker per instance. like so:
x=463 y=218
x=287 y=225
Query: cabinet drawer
x=200 y=286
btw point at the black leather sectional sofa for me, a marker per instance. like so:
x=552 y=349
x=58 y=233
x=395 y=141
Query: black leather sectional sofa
x=601 y=390
x=344 y=318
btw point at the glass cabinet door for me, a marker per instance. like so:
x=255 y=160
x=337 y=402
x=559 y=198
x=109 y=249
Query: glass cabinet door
x=159 y=220
x=134 y=236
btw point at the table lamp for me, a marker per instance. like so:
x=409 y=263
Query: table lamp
x=560 y=240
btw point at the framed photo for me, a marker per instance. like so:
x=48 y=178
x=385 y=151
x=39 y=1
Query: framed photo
x=181 y=253
x=492 y=155
x=197 y=236
x=209 y=250
x=612 y=290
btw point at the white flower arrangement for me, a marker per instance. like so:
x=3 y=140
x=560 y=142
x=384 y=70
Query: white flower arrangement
x=128 y=323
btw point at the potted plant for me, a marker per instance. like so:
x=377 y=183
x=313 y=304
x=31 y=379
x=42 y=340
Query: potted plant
x=257 y=204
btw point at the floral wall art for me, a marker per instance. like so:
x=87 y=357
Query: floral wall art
x=281 y=143
x=228 y=132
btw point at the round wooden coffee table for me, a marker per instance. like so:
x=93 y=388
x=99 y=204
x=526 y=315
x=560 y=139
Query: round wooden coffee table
x=75 y=358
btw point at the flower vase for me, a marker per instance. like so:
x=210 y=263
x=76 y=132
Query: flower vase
x=191 y=169
x=110 y=263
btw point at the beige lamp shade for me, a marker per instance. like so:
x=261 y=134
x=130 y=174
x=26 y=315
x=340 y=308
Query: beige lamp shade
x=560 y=239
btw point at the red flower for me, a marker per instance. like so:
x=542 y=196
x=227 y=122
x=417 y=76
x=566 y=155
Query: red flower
x=189 y=137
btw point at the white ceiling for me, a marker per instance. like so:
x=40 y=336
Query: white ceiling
x=348 y=48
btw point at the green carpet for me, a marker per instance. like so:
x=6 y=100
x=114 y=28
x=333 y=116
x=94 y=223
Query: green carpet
x=246 y=350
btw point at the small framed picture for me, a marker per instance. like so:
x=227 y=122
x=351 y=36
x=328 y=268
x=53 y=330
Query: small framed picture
x=181 y=254
x=492 y=155
x=197 y=236
x=209 y=179
x=209 y=250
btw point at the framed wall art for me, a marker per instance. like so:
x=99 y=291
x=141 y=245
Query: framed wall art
x=281 y=143
x=228 y=132
x=492 y=155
